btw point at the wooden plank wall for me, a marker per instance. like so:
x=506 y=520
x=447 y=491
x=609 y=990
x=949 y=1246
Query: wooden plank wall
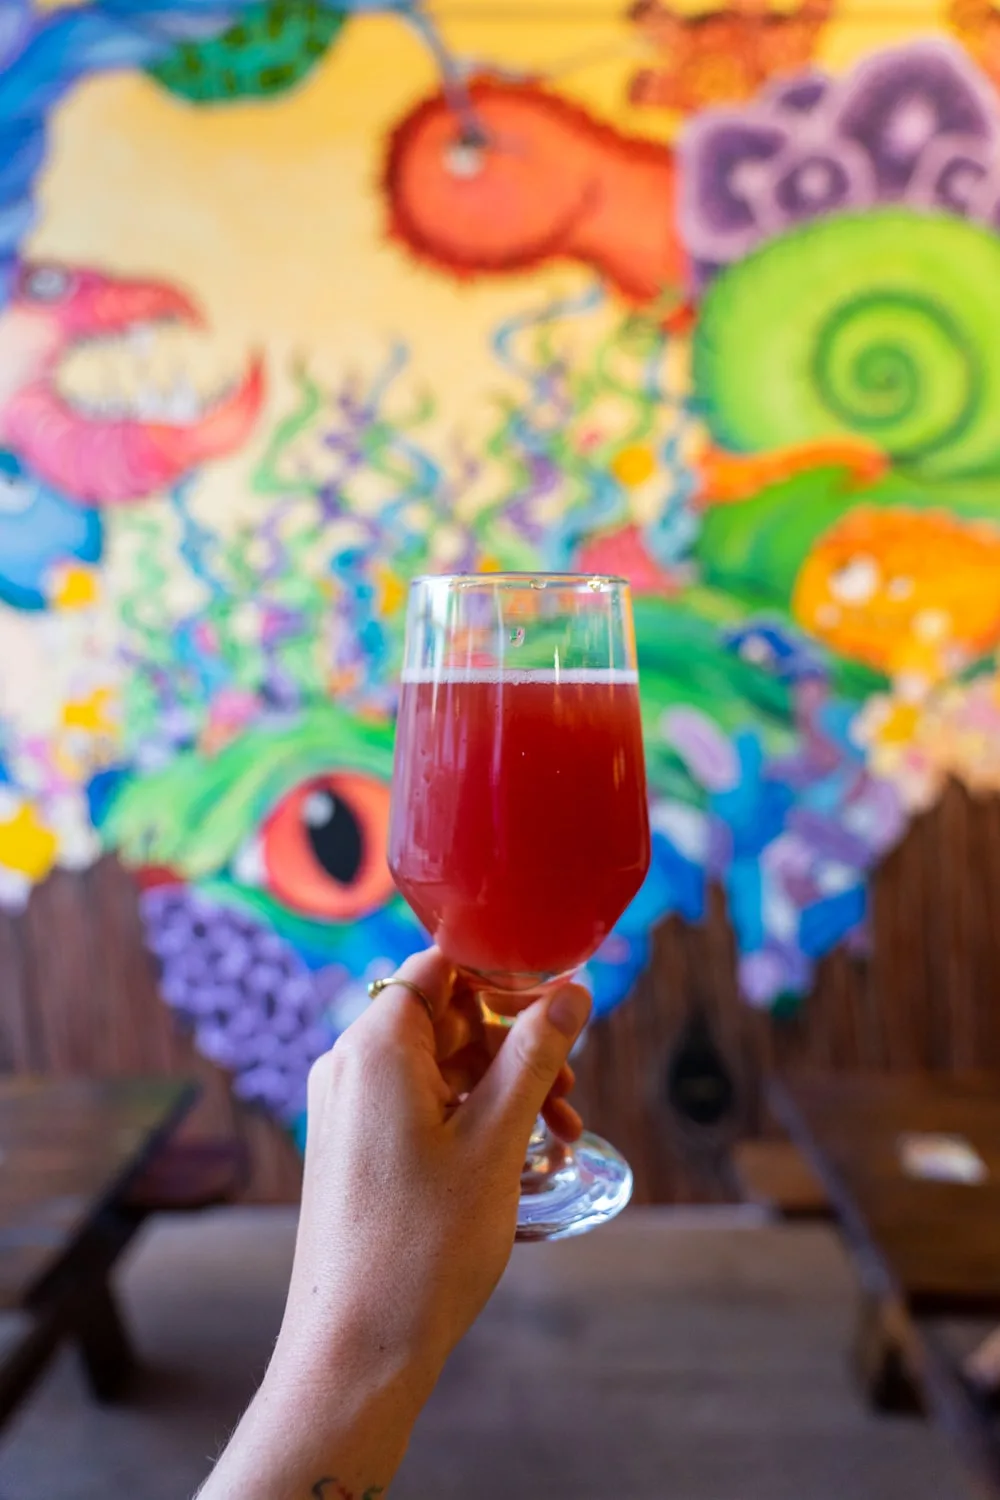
x=78 y=994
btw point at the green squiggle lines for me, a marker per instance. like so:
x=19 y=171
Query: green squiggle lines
x=268 y=479
x=883 y=326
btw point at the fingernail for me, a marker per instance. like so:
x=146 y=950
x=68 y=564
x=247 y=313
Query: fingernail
x=569 y=1009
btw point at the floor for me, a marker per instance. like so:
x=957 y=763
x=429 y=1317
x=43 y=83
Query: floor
x=664 y=1358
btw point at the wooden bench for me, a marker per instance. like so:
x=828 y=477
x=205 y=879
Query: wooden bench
x=84 y=1165
x=925 y=1248
x=775 y=1175
x=27 y=1343
x=189 y=1176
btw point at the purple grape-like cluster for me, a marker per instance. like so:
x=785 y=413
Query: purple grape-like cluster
x=916 y=124
x=252 y=1004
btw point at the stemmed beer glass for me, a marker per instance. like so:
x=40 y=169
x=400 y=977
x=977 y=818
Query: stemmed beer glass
x=519 y=830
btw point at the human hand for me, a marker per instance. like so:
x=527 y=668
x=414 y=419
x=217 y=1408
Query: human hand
x=418 y=1128
x=466 y=1042
x=410 y=1196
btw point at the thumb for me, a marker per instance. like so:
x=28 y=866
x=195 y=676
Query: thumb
x=515 y=1086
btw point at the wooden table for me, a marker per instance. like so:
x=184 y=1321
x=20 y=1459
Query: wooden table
x=69 y=1152
x=923 y=1249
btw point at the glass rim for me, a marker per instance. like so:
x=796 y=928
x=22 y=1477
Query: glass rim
x=520 y=580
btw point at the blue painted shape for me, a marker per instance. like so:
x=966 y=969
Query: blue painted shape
x=756 y=808
x=24 y=152
x=775 y=647
x=101 y=790
x=298 y=1130
x=674 y=884
x=835 y=718
x=391 y=933
x=825 y=922
x=612 y=979
x=39 y=527
x=745 y=893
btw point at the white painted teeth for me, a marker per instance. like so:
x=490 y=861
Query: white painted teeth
x=183 y=404
x=146 y=403
x=141 y=337
x=128 y=382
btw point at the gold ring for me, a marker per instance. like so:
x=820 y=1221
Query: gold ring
x=378 y=985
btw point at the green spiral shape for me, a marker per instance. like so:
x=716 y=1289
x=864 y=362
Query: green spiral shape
x=883 y=326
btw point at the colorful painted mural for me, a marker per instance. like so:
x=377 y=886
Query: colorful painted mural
x=301 y=299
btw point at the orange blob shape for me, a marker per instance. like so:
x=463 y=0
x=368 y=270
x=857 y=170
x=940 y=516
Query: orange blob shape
x=907 y=592
x=728 y=478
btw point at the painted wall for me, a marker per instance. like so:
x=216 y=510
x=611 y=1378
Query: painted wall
x=299 y=300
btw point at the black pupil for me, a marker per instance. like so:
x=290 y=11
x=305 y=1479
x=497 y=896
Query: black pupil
x=334 y=836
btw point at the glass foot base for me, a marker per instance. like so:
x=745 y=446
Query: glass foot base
x=567 y=1190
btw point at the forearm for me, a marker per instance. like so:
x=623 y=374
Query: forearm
x=334 y=1428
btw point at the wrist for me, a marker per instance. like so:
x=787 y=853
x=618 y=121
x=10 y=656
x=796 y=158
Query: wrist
x=339 y=1416
x=340 y=1409
x=349 y=1361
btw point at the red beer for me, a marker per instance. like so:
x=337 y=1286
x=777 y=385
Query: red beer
x=519 y=829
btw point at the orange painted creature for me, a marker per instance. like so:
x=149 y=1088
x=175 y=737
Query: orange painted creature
x=976 y=23
x=526 y=177
x=723 y=55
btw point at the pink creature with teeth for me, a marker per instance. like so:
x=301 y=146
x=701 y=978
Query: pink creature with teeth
x=122 y=453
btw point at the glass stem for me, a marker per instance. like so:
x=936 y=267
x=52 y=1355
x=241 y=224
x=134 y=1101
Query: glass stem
x=545 y=1155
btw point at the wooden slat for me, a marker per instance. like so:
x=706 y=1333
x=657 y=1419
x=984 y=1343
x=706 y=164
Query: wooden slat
x=19 y=1049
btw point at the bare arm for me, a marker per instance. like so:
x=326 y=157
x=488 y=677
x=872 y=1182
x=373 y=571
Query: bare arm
x=409 y=1208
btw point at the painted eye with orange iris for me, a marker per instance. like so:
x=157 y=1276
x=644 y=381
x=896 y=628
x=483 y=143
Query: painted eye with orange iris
x=323 y=847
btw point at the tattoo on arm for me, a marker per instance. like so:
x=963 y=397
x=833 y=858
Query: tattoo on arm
x=332 y=1489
